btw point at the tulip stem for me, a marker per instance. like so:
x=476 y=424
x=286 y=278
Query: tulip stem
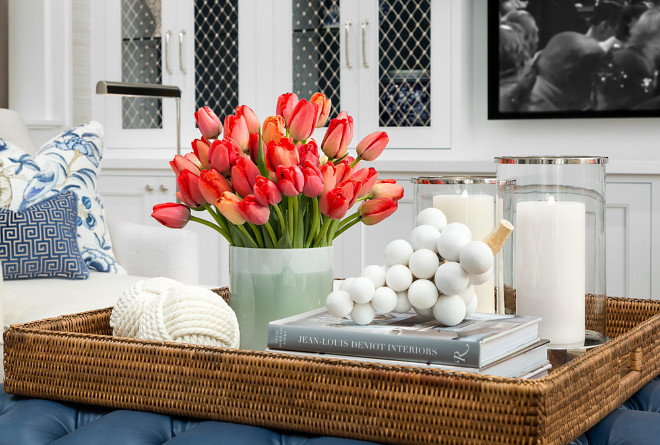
x=348 y=219
x=281 y=218
x=345 y=228
x=331 y=232
x=213 y=226
x=296 y=221
x=354 y=163
x=289 y=201
x=313 y=228
x=257 y=234
x=271 y=233
x=321 y=235
x=218 y=218
x=247 y=235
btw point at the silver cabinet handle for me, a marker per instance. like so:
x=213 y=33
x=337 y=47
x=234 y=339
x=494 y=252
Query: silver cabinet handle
x=163 y=188
x=168 y=34
x=149 y=188
x=347 y=28
x=365 y=22
x=181 y=34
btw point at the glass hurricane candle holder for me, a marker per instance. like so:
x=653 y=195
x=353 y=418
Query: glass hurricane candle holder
x=554 y=264
x=466 y=199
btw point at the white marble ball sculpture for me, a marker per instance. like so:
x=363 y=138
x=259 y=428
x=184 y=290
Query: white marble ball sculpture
x=433 y=273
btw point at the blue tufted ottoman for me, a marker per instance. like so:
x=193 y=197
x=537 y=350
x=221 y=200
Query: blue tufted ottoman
x=25 y=421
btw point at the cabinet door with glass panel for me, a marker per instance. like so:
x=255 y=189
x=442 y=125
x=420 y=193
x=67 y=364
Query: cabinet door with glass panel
x=192 y=44
x=386 y=62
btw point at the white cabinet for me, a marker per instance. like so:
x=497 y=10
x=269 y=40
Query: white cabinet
x=385 y=62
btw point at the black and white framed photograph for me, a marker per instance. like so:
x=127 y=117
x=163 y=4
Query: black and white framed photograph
x=573 y=59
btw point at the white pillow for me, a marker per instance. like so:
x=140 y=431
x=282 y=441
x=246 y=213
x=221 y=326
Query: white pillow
x=69 y=161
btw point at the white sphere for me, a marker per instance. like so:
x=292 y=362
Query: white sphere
x=425 y=237
x=451 y=278
x=398 y=252
x=363 y=314
x=423 y=263
x=449 y=310
x=362 y=290
x=472 y=306
x=428 y=312
x=467 y=294
x=476 y=257
x=346 y=284
x=398 y=278
x=402 y=303
x=477 y=280
x=384 y=300
x=451 y=240
x=432 y=217
x=422 y=294
x=339 y=303
x=376 y=274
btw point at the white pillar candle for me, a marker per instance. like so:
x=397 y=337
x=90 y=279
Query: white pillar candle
x=550 y=267
x=478 y=213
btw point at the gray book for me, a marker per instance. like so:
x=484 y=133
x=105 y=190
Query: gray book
x=476 y=342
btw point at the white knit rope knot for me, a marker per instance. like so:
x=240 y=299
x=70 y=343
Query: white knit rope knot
x=170 y=311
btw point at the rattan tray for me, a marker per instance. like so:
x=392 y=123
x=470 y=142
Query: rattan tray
x=75 y=358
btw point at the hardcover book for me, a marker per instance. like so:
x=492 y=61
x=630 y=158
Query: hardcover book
x=528 y=362
x=476 y=342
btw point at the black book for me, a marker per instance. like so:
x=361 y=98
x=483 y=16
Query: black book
x=476 y=342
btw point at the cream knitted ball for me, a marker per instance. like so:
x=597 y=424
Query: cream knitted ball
x=164 y=309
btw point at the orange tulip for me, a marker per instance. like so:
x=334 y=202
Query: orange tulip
x=303 y=120
x=273 y=129
x=227 y=204
x=212 y=184
x=285 y=105
x=324 y=108
x=201 y=149
x=283 y=154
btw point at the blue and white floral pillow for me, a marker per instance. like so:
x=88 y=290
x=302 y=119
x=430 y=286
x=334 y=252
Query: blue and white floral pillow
x=69 y=161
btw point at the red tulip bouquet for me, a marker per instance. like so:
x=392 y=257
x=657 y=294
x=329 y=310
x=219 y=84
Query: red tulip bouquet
x=265 y=185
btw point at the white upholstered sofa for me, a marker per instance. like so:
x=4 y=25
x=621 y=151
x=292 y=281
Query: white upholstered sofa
x=143 y=251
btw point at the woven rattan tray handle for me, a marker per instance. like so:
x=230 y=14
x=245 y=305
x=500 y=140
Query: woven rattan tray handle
x=631 y=367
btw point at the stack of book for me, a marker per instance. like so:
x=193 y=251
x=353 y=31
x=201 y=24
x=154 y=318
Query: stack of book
x=490 y=344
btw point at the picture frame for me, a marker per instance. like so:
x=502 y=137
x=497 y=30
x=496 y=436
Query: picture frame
x=606 y=84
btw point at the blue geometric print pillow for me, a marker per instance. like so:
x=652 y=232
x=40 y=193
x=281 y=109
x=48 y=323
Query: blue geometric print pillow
x=40 y=241
x=70 y=161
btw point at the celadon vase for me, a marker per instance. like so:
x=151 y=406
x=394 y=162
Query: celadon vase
x=269 y=284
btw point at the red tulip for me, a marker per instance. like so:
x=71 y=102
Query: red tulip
x=285 y=105
x=169 y=214
x=250 y=117
x=324 y=108
x=343 y=171
x=273 y=129
x=201 y=149
x=243 y=175
x=254 y=147
x=283 y=153
x=212 y=184
x=227 y=204
x=236 y=129
x=387 y=188
x=328 y=172
x=303 y=120
x=266 y=191
x=208 y=123
x=223 y=154
x=367 y=177
x=372 y=145
x=374 y=211
x=194 y=159
x=308 y=152
x=338 y=136
x=252 y=211
x=180 y=163
x=313 y=180
x=334 y=204
x=290 y=180
x=188 y=184
x=351 y=190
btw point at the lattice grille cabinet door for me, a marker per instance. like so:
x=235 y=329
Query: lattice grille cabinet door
x=405 y=65
x=132 y=42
